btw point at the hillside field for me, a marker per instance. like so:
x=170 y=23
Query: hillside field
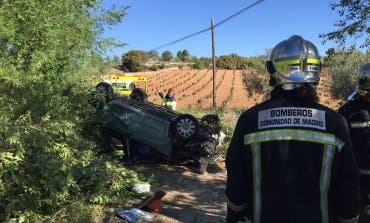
x=193 y=88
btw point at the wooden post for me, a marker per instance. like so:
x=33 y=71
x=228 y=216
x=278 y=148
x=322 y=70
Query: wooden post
x=213 y=65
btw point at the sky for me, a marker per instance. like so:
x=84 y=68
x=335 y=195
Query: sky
x=152 y=23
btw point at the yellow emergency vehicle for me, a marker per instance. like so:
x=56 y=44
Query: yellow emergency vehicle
x=123 y=84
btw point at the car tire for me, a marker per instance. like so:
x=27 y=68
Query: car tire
x=107 y=89
x=212 y=121
x=101 y=95
x=139 y=95
x=185 y=127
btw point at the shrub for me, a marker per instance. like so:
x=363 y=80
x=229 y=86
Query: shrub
x=162 y=66
x=232 y=62
x=201 y=63
x=258 y=63
x=198 y=65
x=153 y=68
x=343 y=65
x=255 y=82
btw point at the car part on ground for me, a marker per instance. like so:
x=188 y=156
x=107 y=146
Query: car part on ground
x=141 y=128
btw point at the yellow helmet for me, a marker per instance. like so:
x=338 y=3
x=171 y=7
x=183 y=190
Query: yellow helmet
x=293 y=62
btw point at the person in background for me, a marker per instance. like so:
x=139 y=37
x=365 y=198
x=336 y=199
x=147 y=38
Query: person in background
x=290 y=158
x=356 y=111
x=168 y=100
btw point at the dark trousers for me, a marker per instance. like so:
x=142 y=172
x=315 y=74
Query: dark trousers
x=365 y=199
x=365 y=190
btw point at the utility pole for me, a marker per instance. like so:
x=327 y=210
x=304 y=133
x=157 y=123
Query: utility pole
x=213 y=65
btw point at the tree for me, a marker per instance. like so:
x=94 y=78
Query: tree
x=134 y=61
x=114 y=62
x=167 y=56
x=184 y=55
x=343 y=65
x=49 y=134
x=354 y=22
x=153 y=55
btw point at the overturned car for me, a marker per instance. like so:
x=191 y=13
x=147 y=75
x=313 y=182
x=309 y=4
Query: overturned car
x=140 y=127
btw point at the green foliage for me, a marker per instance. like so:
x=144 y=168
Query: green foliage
x=153 y=55
x=228 y=119
x=48 y=132
x=162 y=66
x=343 y=65
x=201 y=63
x=114 y=62
x=198 y=65
x=258 y=62
x=167 y=56
x=353 y=23
x=329 y=55
x=156 y=67
x=134 y=61
x=183 y=55
x=153 y=68
x=256 y=82
x=232 y=62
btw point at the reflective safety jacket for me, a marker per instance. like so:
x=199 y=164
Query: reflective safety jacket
x=288 y=162
x=357 y=114
x=168 y=102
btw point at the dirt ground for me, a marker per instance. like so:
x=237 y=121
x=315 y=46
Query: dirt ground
x=191 y=197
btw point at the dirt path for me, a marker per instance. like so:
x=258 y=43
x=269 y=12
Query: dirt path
x=190 y=198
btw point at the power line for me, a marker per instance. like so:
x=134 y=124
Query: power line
x=183 y=38
x=238 y=13
x=209 y=28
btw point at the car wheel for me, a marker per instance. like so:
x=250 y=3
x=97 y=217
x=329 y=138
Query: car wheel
x=138 y=94
x=102 y=94
x=185 y=126
x=105 y=88
x=211 y=121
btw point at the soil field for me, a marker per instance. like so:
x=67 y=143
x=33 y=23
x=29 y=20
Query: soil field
x=193 y=88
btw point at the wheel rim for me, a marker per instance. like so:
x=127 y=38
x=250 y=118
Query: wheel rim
x=101 y=88
x=185 y=127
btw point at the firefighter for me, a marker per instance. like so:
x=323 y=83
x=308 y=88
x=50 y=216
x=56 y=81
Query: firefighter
x=356 y=111
x=168 y=100
x=290 y=158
